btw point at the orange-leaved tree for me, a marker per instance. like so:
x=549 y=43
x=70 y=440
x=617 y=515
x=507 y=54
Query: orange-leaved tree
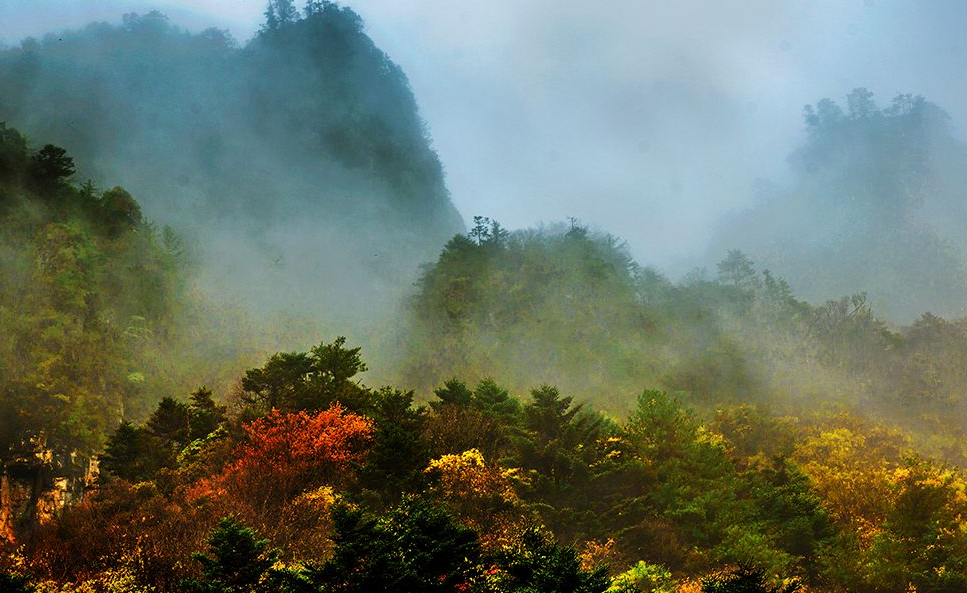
x=284 y=455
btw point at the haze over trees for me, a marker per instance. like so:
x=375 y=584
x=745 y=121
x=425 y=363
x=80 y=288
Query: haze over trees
x=90 y=297
x=875 y=205
x=544 y=412
x=293 y=160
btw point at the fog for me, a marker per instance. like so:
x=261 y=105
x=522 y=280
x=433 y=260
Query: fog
x=651 y=122
x=677 y=283
x=646 y=119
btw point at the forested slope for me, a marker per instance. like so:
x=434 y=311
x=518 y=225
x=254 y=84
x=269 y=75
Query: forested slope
x=295 y=159
x=875 y=204
x=325 y=484
x=555 y=418
x=88 y=293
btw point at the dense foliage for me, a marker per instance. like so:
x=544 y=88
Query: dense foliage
x=579 y=424
x=570 y=306
x=89 y=291
x=483 y=490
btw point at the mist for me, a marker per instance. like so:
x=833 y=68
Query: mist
x=665 y=115
x=227 y=143
x=472 y=295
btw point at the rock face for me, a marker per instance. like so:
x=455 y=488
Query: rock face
x=34 y=487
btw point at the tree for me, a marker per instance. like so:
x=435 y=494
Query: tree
x=285 y=454
x=314 y=380
x=480 y=493
x=398 y=454
x=281 y=384
x=534 y=563
x=316 y=6
x=271 y=18
x=745 y=580
x=495 y=401
x=453 y=393
x=555 y=436
x=237 y=561
x=169 y=423
x=417 y=546
x=860 y=103
x=204 y=415
x=286 y=11
x=128 y=454
x=278 y=13
x=119 y=211
x=737 y=270
x=643 y=578
x=51 y=163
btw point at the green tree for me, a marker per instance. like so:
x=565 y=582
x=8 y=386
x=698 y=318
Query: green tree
x=314 y=380
x=204 y=415
x=555 y=440
x=536 y=564
x=737 y=270
x=398 y=456
x=170 y=423
x=119 y=211
x=745 y=580
x=236 y=562
x=129 y=454
x=415 y=547
x=51 y=163
x=453 y=393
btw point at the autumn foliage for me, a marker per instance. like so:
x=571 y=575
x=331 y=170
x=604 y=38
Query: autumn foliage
x=285 y=454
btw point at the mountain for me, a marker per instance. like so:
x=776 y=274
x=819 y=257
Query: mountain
x=298 y=161
x=875 y=205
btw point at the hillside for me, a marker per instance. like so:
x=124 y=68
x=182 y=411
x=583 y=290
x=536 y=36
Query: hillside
x=273 y=360
x=570 y=307
x=874 y=205
x=292 y=160
x=90 y=295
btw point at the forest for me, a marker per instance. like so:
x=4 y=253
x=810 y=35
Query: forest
x=526 y=411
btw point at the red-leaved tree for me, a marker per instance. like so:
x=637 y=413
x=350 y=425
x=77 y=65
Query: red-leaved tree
x=283 y=456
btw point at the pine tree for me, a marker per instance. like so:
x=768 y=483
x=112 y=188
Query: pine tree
x=237 y=561
x=204 y=415
x=126 y=455
x=169 y=423
x=453 y=393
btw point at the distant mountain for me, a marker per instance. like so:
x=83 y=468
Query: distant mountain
x=298 y=163
x=877 y=205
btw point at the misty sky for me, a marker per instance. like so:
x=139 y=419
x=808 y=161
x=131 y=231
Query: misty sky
x=646 y=119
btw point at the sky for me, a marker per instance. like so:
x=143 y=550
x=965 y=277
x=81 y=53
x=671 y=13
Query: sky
x=649 y=120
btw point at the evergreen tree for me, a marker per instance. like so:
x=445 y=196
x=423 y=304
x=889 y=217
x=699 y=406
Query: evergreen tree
x=294 y=381
x=398 y=456
x=453 y=393
x=745 y=580
x=271 y=18
x=286 y=11
x=237 y=562
x=495 y=401
x=51 y=163
x=536 y=564
x=415 y=547
x=128 y=454
x=204 y=415
x=169 y=423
